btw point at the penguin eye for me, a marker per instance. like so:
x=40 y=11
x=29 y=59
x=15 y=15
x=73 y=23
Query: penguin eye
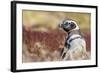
x=73 y=25
x=69 y=23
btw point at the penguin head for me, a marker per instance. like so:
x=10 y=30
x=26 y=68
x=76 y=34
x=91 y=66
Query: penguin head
x=69 y=25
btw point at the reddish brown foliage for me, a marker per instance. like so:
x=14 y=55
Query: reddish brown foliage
x=87 y=37
x=52 y=39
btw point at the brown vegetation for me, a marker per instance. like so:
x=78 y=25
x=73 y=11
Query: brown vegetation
x=45 y=46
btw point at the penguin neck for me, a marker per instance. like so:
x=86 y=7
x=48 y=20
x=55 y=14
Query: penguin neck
x=74 y=32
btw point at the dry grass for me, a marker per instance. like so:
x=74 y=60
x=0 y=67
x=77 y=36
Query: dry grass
x=45 y=46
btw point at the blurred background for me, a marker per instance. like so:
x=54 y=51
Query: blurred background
x=42 y=38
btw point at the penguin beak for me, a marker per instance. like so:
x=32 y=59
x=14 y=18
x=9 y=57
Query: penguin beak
x=59 y=25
